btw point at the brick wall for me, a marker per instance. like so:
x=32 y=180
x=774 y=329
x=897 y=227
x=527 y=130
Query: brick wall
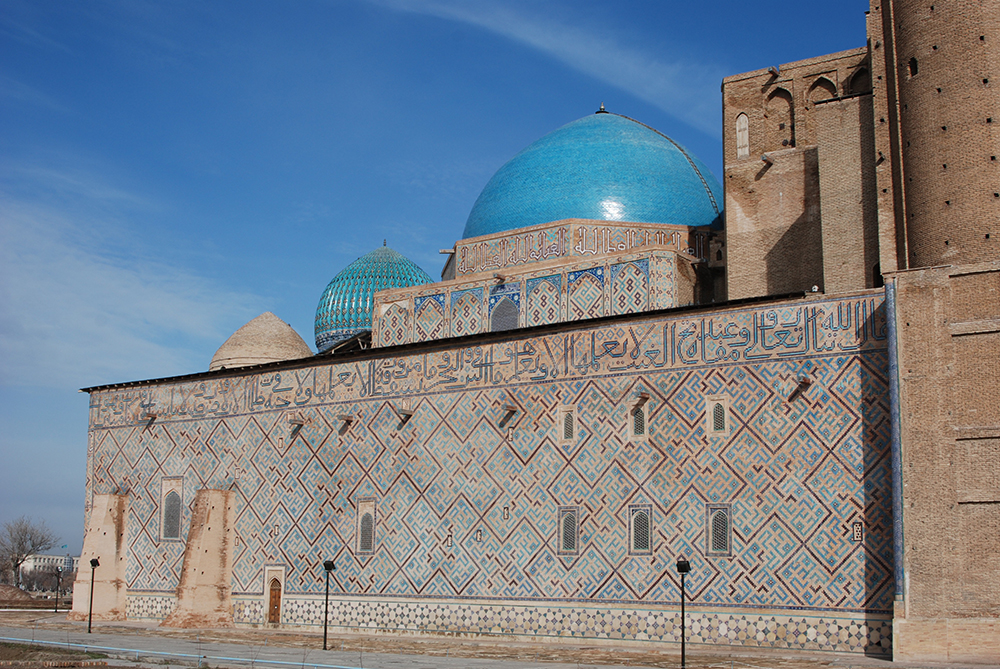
x=773 y=230
x=846 y=152
x=948 y=321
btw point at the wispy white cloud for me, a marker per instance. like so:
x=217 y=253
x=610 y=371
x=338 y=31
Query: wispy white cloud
x=18 y=31
x=11 y=89
x=76 y=310
x=685 y=89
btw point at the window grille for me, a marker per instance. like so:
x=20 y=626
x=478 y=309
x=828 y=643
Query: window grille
x=504 y=316
x=640 y=531
x=367 y=533
x=719 y=530
x=172 y=516
x=568 y=532
x=567 y=426
x=718 y=418
x=638 y=421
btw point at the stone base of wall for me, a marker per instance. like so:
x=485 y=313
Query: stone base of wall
x=773 y=628
x=971 y=640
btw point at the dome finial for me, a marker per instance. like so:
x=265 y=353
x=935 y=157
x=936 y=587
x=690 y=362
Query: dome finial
x=602 y=110
x=383 y=242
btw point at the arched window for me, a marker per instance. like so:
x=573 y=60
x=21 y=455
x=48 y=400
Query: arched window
x=860 y=83
x=742 y=136
x=718 y=418
x=504 y=315
x=719 y=531
x=567 y=424
x=172 y=516
x=568 y=530
x=822 y=89
x=913 y=67
x=367 y=540
x=640 y=531
x=638 y=421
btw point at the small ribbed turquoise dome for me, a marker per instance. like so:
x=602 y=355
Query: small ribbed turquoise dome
x=605 y=167
x=346 y=306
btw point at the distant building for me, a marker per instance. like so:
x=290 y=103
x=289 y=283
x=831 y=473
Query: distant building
x=791 y=380
x=50 y=563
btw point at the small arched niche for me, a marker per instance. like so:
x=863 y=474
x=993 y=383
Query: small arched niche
x=822 y=89
x=780 y=119
x=860 y=82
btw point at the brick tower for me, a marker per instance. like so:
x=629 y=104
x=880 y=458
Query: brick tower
x=947 y=57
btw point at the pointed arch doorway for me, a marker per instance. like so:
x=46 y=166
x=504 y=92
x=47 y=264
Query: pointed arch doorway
x=274 y=602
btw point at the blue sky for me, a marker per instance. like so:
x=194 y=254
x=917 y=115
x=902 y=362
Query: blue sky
x=169 y=170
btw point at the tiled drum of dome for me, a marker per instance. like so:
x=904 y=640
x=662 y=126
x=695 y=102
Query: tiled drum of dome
x=630 y=287
x=394 y=326
x=797 y=474
x=429 y=322
x=466 y=312
x=586 y=293
x=544 y=300
x=505 y=306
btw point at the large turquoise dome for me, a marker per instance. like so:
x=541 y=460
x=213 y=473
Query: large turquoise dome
x=606 y=167
x=345 y=309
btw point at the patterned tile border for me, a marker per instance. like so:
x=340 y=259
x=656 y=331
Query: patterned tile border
x=845 y=633
x=149 y=607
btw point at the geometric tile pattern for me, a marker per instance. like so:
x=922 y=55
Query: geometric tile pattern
x=466 y=312
x=150 y=607
x=586 y=294
x=467 y=495
x=544 y=300
x=429 y=322
x=589 y=288
x=872 y=634
x=629 y=287
x=395 y=328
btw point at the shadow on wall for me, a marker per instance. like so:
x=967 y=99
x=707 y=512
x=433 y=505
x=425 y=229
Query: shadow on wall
x=795 y=261
x=876 y=517
x=869 y=192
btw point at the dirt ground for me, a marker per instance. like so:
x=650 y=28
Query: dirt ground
x=33 y=656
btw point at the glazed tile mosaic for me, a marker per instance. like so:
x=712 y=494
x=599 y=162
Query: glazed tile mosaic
x=605 y=286
x=661 y=625
x=467 y=483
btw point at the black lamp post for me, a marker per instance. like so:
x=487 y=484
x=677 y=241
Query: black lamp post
x=58 y=585
x=683 y=567
x=329 y=566
x=94 y=564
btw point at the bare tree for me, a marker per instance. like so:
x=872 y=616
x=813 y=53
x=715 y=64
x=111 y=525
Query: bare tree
x=21 y=538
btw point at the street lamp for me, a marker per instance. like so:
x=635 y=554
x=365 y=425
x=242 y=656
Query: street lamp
x=94 y=564
x=58 y=585
x=329 y=566
x=683 y=567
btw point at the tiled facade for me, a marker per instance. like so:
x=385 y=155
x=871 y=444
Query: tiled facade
x=467 y=490
x=537 y=294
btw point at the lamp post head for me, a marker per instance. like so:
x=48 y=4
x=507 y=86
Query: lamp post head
x=683 y=566
x=329 y=565
x=95 y=563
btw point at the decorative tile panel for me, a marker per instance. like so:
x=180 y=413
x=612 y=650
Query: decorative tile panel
x=796 y=472
x=705 y=626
